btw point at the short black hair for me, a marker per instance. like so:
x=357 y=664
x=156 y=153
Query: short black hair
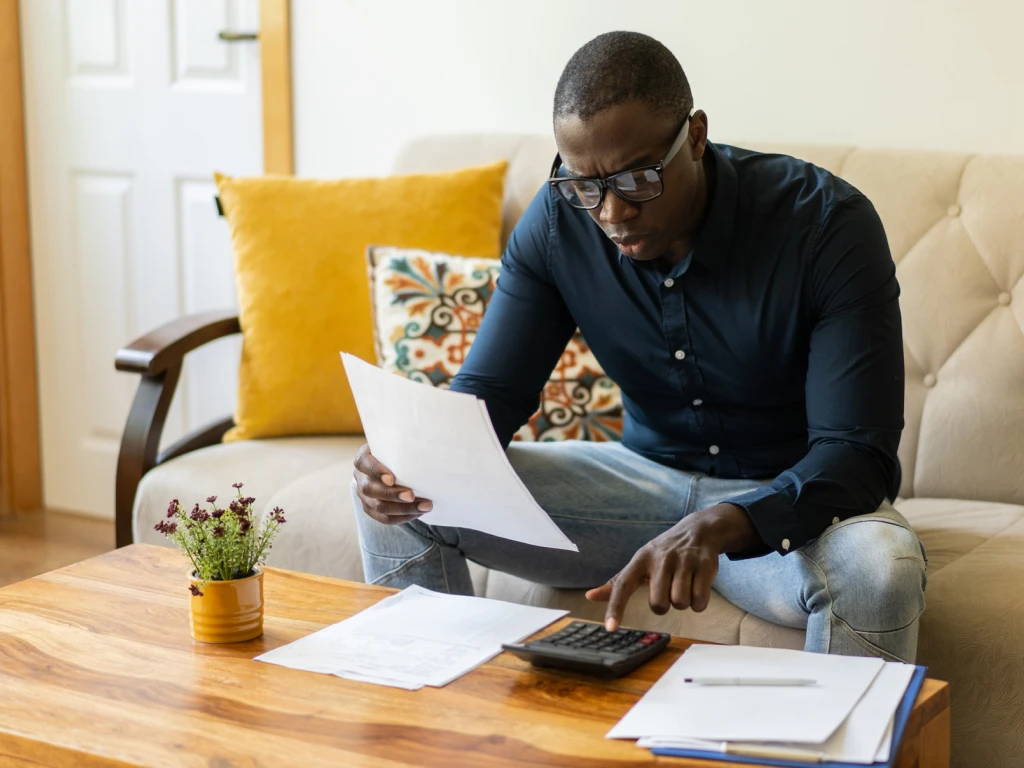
x=617 y=67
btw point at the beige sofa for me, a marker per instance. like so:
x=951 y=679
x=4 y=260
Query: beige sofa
x=956 y=228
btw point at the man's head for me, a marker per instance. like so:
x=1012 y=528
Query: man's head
x=620 y=104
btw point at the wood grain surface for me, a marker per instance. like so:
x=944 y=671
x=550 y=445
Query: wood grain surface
x=97 y=668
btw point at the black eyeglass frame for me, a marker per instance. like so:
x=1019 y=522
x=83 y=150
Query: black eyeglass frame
x=608 y=181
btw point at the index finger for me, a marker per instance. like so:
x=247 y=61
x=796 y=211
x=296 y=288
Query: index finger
x=624 y=585
x=368 y=465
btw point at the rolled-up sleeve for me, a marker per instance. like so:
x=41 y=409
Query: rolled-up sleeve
x=524 y=331
x=854 y=389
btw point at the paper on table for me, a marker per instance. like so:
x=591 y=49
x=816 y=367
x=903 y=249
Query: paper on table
x=859 y=739
x=882 y=756
x=415 y=637
x=802 y=714
x=443 y=446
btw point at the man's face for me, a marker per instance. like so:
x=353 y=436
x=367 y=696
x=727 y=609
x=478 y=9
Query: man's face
x=627 y=136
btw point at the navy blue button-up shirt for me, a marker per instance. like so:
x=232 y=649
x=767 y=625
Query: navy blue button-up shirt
x=774 y=350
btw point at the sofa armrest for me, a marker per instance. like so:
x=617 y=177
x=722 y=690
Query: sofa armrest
x=157 y=357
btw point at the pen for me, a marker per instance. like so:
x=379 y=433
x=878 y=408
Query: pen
x=787 y=681
x=772 y=753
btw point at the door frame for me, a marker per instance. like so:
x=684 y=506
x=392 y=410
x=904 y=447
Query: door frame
x=21 y=478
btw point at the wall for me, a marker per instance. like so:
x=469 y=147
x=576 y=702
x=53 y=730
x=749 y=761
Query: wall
x=938 y=74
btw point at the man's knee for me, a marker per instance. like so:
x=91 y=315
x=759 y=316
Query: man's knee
x=875 y=572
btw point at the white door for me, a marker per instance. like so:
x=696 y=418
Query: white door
x=130 y=107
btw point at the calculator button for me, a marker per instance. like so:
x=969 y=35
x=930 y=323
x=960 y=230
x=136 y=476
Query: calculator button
x=649 y=638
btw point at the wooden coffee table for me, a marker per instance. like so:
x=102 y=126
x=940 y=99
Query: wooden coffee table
x=97 y=668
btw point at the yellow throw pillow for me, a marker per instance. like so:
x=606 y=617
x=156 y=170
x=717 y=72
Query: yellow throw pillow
x=300 y=262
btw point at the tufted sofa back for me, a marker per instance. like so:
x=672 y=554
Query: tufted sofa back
x=955 y=224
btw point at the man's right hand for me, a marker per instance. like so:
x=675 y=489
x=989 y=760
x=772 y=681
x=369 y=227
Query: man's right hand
x=382 y=500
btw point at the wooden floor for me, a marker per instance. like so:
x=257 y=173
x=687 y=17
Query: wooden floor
x=36 y=542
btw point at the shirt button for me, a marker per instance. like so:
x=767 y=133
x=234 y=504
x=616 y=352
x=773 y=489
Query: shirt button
x=680 y=354
x=785 y=544
x=698 y=402
x=953 y=210
x=1003 y=298
x=669 y=282
x=713 y=450
x=929 y=380
x=835 y=521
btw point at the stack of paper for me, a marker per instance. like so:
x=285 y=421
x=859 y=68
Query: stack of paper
x=846 y=716
x=414 y=638
x=442 y=445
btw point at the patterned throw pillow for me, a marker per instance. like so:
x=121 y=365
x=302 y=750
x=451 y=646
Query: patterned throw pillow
x=427 y=310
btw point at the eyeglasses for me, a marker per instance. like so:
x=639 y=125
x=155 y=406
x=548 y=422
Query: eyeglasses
x=637 y=185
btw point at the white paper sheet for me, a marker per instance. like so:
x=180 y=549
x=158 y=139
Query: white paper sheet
x=882 y=755
x=861 y=737
x=443 y=446
x=414 y=638
x=800 y=714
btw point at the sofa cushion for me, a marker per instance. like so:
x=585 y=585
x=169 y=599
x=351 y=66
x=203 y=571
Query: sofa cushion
x=427 y=309
x=300 y=265
x=308 y=477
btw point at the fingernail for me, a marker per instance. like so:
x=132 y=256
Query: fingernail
x=424 y=506
x=610 y=625
x=406 y=496
x=387 y=479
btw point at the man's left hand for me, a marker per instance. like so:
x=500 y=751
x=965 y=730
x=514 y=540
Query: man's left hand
x=680 y=565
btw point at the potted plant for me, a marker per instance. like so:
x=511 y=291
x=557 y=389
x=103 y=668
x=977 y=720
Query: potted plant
x=227 y=548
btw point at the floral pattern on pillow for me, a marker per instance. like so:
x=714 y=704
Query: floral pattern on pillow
x=427 y=310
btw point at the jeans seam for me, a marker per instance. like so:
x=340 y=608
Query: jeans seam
x=852 y=521
x=864 y=641
x=405 y=564
x=444 y=572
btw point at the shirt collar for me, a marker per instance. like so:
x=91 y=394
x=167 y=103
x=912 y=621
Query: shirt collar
x=715 y=236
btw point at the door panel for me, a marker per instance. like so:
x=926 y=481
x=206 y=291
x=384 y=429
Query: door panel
x=130 y=107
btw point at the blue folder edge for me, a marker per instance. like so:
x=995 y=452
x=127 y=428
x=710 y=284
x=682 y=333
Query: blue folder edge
x=899 y=726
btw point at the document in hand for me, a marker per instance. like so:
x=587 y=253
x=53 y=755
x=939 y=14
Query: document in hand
x=414 y=638
x=443 y=446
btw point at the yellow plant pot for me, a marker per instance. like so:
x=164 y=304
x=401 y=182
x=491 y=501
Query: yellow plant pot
x=228 y=611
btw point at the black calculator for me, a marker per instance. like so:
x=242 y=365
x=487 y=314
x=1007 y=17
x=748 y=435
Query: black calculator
x=583 y=646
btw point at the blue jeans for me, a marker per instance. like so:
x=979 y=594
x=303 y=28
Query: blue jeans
x=858 y=589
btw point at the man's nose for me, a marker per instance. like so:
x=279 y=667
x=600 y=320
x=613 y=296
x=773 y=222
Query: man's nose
x=615 y=210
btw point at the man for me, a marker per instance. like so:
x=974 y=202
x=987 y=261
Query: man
x=747 y=305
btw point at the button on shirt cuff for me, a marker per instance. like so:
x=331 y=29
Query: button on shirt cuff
x=775 y=520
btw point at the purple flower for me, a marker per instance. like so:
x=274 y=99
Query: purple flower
x=278 y=515
x=195 y=590
x=166 y=528
x=199 y=515
x=248 y=500
x=235 y=507
x=216 y=514
x=236 y=486
x=211 y=499
x=244 y=524
x=218 y=531
x=173 y=508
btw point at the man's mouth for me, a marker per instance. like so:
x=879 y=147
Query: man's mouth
x=630 y=245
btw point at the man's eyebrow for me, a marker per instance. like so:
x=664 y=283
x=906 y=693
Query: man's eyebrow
x=639 y=162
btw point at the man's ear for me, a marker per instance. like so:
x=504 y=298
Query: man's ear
x=698 y=134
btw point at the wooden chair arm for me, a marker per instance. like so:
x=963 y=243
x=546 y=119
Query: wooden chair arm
x=166 y=346
x=157 y=357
